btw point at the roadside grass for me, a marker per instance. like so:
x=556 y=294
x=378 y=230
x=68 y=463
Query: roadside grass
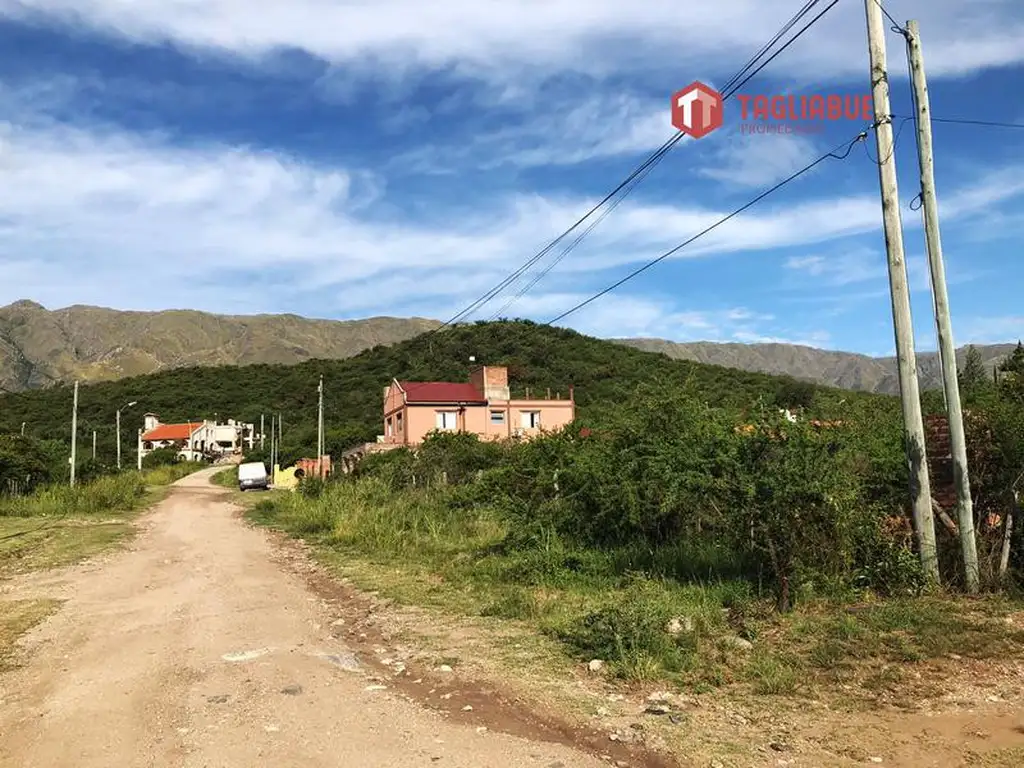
x=16 y=618
x=226 y=478
x=61 y=525
x=649 y=616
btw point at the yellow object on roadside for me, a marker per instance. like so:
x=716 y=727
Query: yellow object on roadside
x=284 y=478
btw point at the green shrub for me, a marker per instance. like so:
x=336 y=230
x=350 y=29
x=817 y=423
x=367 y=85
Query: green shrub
x=160 y=457
x=631 y=635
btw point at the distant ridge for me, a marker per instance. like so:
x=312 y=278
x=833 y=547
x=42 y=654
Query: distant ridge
x=39 y=347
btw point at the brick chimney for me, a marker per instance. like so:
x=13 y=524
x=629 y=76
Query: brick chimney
x=492 y=381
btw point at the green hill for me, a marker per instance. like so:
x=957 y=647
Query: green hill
x=539 y=357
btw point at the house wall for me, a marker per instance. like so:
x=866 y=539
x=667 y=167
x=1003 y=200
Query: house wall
x=554 y=414
x=394 y=404
x=492 y=381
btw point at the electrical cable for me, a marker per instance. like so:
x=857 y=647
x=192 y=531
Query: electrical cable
x=896 y=26
x=653 y=159
x=734 y=84
x=841 y=152
x=986 y=123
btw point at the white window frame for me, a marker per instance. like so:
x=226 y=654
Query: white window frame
x=443 y=418
x=498 y=418
x=530 y=419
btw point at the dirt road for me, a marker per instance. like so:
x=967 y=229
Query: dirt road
x=193 y=648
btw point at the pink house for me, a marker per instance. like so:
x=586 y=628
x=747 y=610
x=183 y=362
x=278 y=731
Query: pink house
x=483 y=406
x=412 y=409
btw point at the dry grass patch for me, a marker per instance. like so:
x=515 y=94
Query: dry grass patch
x=16 y=618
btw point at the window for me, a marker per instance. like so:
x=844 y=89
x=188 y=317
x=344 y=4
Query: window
x=446 y=419
x=387 y=427
x=497 y=417
x=398 y=424
x=531 y=419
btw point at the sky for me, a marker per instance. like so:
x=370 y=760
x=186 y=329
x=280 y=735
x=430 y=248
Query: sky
x=356 y=158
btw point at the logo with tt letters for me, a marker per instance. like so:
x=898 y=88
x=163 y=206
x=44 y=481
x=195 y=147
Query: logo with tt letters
x=697 y=110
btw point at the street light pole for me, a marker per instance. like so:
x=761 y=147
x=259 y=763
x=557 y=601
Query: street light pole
x=74 y=435
x=133 y=402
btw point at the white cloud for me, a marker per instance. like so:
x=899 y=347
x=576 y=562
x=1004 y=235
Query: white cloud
x=990 y=330
x=586 y=128
x=760 y=160
x=101 y=216
x=843 y=268
x=630 y=316
x=501 y=39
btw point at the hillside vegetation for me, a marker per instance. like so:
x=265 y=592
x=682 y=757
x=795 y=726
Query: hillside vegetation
x=39 y=347
x=839 y=369
x=668 y=543
x=538 y=357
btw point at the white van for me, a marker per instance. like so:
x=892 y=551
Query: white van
x=252 y=475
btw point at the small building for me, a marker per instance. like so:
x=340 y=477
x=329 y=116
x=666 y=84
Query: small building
x=483 y=406
x=196 y=440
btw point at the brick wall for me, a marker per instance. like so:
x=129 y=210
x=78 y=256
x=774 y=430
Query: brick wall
x=940 y=460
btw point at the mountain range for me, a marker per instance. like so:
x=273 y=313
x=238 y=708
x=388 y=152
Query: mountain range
x=40 y=347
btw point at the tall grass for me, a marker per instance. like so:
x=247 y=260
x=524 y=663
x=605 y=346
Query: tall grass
x=367 y=516
x=120 y=492
x=682 y=611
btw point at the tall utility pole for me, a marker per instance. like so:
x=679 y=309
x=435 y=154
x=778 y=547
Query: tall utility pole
x=273 y=437
x=74 y=433
x=138 y=449
x=947 y=349
x=910 y=395
x=118 y=420
x=320 y=430
x=94 y=445
x=262 y=434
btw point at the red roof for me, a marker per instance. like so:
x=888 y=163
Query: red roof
x=441 y=392
x=172 y=431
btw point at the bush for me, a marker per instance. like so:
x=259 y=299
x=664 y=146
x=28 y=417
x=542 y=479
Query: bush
x=160 y=457
x=26 y=463
x=632 y=635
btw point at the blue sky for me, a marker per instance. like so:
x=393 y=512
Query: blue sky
x=352 y=158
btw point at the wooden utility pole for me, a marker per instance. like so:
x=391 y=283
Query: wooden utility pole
x=910 y=395
x=94 y=445
x=273 y=438
x=262 y=433
x=320 y=430
x=74 y=434
x=940 y=296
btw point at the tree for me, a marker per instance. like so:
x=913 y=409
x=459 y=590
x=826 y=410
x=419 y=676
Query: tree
x=1014 y=364
x=794 y=393
x=973 y=375
x=1012 y=378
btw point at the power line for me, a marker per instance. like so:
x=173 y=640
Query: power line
x=737 y=81
x=732 y=86
x=841 y=152
x=986 y=123
x=896 y=26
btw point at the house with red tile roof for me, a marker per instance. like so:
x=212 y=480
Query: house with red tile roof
x=195 y=440
x=482 y=406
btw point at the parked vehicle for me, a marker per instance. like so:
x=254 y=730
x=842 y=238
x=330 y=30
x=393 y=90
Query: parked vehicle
x=252 y=475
